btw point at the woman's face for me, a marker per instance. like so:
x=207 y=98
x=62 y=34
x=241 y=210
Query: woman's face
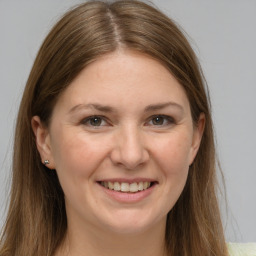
x=121 y=139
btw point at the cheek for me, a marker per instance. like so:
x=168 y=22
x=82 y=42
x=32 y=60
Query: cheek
x=77 y=154
x=173 y=161
x=173 y=154
x=171 y=157
x=77 y=157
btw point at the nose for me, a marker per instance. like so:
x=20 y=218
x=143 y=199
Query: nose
x=129 y=149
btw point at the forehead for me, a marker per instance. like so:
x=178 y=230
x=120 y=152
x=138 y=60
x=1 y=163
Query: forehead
x=124 y=78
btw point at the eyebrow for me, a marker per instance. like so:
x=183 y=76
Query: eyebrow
x=96 y=106
x=108 y=109
x=160 y=106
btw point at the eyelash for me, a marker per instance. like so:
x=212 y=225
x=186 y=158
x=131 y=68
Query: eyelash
x=167 y=120
x=87 y=121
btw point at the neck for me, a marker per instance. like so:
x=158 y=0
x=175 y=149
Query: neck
x=93 y=242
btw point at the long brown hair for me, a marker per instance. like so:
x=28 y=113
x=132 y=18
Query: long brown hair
x=36 y=223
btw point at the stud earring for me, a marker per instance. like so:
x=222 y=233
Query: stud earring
x=46 y=162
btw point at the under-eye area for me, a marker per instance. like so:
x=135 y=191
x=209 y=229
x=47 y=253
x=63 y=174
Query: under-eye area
x=127 y=187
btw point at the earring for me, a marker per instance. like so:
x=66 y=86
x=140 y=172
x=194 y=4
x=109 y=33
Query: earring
x=46 y=162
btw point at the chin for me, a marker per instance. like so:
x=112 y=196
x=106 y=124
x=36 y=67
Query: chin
x=132 y=222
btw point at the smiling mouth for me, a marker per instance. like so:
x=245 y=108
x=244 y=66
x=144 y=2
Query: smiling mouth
x=127 y=187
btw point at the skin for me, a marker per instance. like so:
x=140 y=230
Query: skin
x=143 y=130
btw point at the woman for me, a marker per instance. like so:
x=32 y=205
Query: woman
x=114 y=150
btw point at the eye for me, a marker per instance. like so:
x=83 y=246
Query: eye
x=160 y=120
x=94 y=121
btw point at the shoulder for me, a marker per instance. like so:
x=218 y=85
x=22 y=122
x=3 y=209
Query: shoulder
x=239 y=249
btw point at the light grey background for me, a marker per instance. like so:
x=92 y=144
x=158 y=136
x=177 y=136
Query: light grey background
x=223 y=34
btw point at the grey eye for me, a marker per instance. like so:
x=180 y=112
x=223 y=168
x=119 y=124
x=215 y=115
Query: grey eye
x=158 y=120
x=161 y=120
x=95 y=121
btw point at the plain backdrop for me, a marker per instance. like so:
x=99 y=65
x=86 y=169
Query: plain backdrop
x=223 y=34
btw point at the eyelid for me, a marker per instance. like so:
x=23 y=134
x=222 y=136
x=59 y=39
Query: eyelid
x=85 y=121
x=170 y=120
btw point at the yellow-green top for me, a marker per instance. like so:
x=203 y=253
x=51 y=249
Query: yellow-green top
x=239 y=249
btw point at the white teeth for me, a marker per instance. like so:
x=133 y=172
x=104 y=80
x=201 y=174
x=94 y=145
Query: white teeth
x=125 y=186
x=110 y=185
x=117 y=186
x=134 y=187
x=140 y=187
x=145 y=184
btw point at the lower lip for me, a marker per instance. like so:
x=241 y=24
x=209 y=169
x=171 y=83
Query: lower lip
x=124 y=197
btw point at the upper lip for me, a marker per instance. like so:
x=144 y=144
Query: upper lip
x=127 y=180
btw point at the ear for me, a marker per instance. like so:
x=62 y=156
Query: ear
x=197 y=136
x=43 y=141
